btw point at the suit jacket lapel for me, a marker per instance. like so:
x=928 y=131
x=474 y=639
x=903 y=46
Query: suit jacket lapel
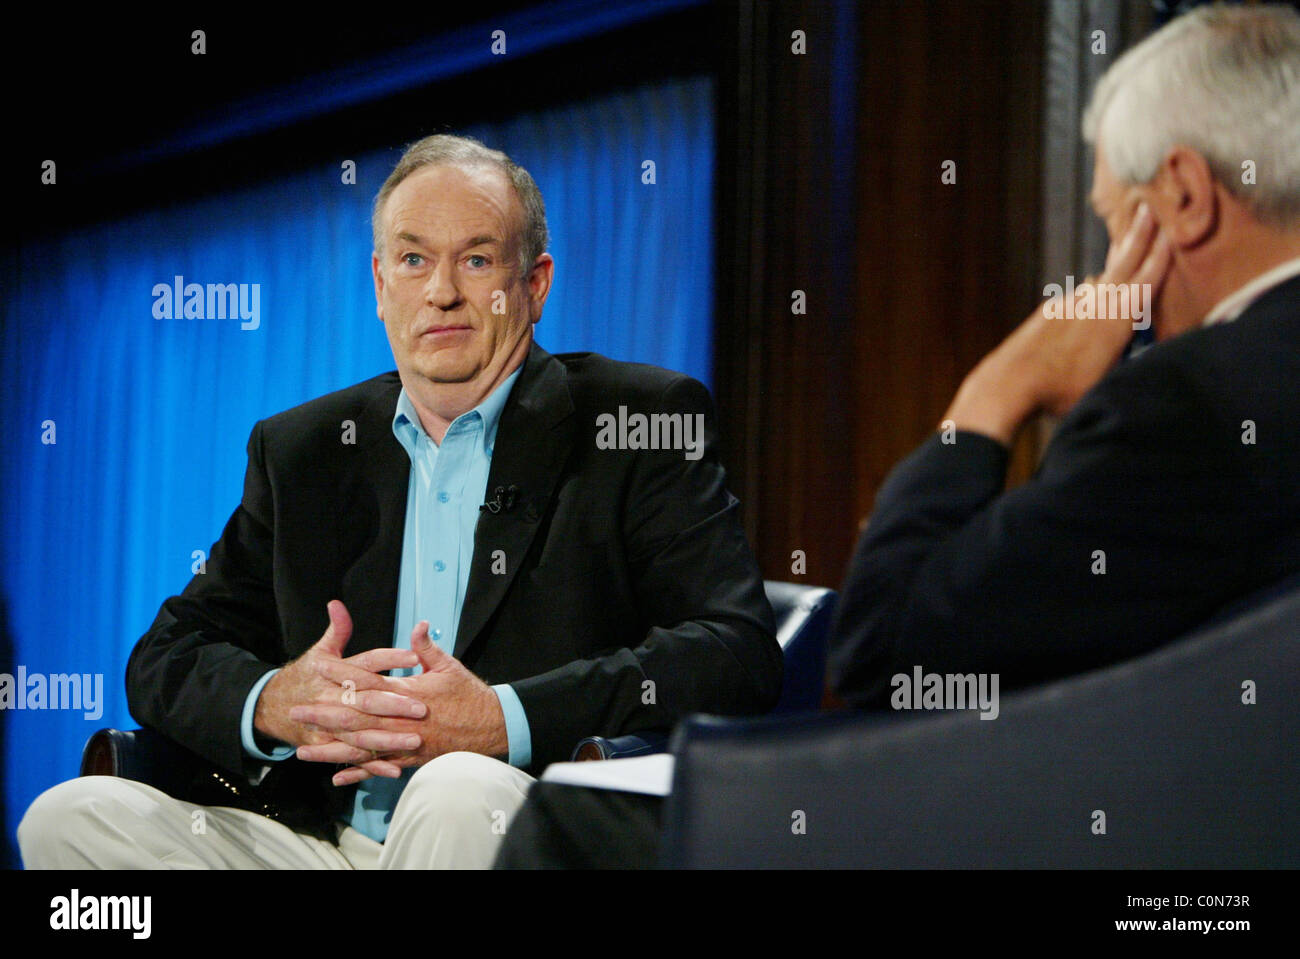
x=533 y=442
x=372 y=520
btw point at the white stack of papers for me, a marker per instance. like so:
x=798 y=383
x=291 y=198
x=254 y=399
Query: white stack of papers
x=650 y=775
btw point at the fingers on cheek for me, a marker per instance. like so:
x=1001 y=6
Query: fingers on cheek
x=1156 y=264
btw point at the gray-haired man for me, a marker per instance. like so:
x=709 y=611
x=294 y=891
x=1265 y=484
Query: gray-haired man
x=525 y=585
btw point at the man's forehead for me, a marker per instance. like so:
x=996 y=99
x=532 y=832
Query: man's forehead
x=467 y=239
x=454 y=189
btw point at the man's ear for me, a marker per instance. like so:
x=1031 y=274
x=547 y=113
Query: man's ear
x=539 y=285
x=1183 y=198
x=377 y=273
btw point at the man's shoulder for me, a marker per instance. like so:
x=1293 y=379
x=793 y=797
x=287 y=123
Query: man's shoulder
x=597 y=380
x=1268 y=327
x=1199 y=387
x=1227 y=363
x=352 y=398
x=373 y=400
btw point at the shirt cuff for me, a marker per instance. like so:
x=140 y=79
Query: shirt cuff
x=246 y=725
x=518 y=735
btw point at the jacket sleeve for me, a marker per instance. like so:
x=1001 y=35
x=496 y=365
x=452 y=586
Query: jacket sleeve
x=1121 y=541
x=189 y=675
x=711 y=647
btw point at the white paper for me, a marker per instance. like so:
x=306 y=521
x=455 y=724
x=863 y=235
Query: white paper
x=650 y=775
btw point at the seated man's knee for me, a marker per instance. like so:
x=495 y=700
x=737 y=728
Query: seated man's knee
x=453 y=813
x=464 y=784
x=58 y=828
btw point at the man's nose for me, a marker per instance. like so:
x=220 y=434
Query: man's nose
x=441 y=291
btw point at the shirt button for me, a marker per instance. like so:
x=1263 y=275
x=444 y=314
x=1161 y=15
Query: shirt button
x=439 y=565
x=442 y=496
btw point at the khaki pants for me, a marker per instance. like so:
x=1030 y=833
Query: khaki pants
x=452 y=815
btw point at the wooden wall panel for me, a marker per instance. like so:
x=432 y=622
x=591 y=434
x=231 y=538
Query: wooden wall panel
x=909 y=281
x=946 y=270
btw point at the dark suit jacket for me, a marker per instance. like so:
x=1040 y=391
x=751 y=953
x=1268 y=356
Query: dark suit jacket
x=621 y=567
x=1150 y=469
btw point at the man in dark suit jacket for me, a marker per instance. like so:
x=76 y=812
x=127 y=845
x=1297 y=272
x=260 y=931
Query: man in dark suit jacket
x=610 y=587
x=1170 y=487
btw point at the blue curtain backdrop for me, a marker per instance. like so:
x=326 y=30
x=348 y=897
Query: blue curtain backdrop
x=151 y=416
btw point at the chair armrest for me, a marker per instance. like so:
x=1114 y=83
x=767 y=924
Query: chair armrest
x=151 y=758
x=619 y=747
x=139 y=754
x=292 y=793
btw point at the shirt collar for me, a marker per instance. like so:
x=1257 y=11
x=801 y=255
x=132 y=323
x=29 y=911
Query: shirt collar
x=407 y=426
x=1234 y=304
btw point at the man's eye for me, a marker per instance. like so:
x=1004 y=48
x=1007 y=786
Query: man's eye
x=412 y=259
x=477 y=262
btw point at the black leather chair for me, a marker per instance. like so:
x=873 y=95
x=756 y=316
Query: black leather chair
x=1185 y=773
x=803 y=617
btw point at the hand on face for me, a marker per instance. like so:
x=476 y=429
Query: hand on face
x=1058 y=354
x=1072 y=355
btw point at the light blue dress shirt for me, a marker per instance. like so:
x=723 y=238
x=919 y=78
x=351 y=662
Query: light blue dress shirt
x=448 y=483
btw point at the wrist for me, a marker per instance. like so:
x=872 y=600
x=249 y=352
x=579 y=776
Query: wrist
x=499 y=739
x=993 y=400
x=268 y=722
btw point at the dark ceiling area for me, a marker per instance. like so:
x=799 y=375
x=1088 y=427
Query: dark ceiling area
x=132 y=80
x=102 y=98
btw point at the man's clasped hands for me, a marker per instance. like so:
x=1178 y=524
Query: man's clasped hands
x=346 y=711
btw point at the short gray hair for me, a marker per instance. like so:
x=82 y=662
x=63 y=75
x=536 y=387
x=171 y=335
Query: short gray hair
x=468 y=153
x=1224 y=81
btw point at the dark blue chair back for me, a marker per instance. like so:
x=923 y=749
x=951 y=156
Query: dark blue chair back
x=1168 y=748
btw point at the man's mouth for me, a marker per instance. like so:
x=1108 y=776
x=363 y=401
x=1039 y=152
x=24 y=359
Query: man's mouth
x=445 y=330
